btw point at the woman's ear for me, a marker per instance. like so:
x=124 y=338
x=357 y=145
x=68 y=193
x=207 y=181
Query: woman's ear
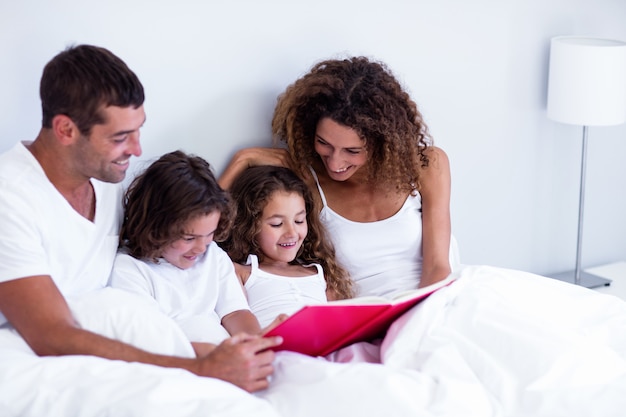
x=64 y=128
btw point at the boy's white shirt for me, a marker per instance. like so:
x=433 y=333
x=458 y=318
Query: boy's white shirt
x=197 y=298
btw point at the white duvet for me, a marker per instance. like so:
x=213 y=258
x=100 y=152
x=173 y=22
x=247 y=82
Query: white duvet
x=494 y=343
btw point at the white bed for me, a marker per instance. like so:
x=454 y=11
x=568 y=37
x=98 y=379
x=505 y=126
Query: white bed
x=494 y=343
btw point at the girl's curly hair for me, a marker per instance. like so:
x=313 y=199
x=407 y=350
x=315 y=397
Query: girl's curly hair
x=365 y=96
x=251 y=191
x=160 y=201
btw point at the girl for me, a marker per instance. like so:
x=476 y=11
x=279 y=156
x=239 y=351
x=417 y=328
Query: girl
x=277 y=233
x=173 y=212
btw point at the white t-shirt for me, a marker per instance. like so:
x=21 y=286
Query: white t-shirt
x=270 y=295
x=43 y=235
x=196 y=298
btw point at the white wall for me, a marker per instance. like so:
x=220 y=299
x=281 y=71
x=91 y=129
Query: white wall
x=477 y=69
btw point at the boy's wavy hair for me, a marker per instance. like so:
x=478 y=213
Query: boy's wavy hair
x=251 y=191
x=161 y=201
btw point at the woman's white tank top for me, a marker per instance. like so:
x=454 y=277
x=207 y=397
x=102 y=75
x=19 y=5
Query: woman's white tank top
x=384 y=256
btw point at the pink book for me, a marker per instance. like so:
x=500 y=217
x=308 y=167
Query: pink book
x=318 y=330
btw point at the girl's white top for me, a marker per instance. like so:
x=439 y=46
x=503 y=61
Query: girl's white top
x=270 y=295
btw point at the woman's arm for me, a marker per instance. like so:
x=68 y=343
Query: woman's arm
x=250 y=157
x=435 y=192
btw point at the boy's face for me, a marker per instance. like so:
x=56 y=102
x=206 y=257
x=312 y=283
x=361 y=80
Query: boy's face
x=184 y=251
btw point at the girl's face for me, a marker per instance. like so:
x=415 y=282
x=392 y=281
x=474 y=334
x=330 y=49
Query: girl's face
x=199 y=231
x=341 y=149
x=283 y=227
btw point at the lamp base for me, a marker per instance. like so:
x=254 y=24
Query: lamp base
x=586 y=279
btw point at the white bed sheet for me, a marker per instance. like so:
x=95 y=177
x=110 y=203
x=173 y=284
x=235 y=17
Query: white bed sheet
x=537 y=346
x=495 y=343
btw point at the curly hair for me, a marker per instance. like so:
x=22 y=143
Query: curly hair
x=365 y=96
x=161 y=201
x=251 y=191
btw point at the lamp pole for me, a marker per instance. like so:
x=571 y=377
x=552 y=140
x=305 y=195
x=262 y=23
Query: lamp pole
x=581 y=206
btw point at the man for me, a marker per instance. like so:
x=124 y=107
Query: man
x=60 y=214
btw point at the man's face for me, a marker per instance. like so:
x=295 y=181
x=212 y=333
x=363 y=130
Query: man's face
x=198 y=234
x=106 y=152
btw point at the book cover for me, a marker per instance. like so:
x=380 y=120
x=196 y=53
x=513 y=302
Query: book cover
x=318 y=330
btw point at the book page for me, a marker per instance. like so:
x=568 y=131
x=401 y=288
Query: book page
x=371 y=299
x=396 y=297
x=401 y=296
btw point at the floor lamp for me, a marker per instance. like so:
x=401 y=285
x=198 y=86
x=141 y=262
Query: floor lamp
x=586 y=87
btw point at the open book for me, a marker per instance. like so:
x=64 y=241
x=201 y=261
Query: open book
x=319 y=330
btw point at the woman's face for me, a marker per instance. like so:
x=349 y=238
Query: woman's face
x=340 y=148
x=199 y=231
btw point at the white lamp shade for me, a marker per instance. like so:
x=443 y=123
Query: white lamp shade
x=587 y=81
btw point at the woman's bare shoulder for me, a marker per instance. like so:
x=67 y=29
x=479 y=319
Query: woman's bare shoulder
x=436 y=154
x=435 y=177
x=437 y=161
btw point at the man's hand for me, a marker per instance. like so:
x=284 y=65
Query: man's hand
x=40 y=314
x=243 y=360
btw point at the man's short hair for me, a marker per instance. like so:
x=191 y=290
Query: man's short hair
x=82 y=80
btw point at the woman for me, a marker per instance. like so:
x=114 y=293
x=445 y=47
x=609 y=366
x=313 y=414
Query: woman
x=374 y=170
x=384 y=194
